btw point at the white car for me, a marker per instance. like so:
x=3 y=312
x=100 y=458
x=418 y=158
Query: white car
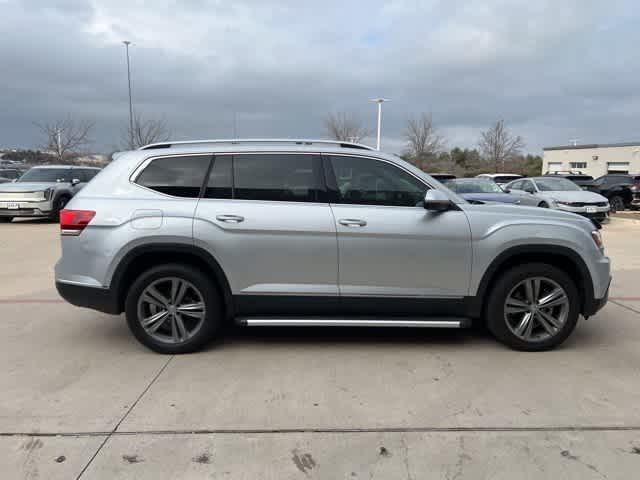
x=562 y=194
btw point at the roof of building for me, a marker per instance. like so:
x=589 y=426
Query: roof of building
x=593 y=145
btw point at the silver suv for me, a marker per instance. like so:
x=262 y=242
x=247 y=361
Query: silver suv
x=42 y=191
x=185 y=237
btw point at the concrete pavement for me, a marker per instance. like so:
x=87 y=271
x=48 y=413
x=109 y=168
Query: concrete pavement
x=310 y=403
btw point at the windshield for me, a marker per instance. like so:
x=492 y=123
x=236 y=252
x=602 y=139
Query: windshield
x=556 y=185
x=474 y=186
x=47 y=175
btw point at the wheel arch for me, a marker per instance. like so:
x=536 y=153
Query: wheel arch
x=559 y=256
x=144 y=257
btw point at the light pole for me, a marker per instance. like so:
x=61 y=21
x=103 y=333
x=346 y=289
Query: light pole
x=126 y=46
x=379 y=101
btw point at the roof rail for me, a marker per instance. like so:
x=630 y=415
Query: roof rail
x=256 y=141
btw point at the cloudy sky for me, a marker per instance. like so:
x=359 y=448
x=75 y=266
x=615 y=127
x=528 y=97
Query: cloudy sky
x=553 y=70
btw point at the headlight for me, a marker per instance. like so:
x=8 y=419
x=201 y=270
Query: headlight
x=566 y=204
x=48 y=193
x=597 y=239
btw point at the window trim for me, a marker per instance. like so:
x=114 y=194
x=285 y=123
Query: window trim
x=332 y=184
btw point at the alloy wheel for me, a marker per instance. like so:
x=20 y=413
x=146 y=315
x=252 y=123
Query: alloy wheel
x=171 y=310
x=536 y=309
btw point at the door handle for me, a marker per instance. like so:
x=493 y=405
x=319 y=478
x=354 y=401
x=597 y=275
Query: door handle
x=230 y=218
x=352 y=222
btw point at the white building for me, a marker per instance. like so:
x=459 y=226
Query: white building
x=594 y=160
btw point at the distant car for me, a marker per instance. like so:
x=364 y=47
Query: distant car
x=42 y=191
x=622 y=190
x=585 y=182
x=562 y=194
x=477 y=190
x=500 y=178
x=442 y=177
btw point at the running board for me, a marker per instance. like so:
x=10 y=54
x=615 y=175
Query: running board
x=410 y=322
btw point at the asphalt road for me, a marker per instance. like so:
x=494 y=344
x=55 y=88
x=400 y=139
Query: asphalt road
x=80 y=398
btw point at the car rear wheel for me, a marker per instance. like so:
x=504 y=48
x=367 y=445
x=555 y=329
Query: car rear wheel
x=6 y=219
x=173 y=309
x=617 y=204
x=533 y=307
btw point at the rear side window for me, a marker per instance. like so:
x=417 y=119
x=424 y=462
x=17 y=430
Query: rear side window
x=176 y=176
x=276 y=177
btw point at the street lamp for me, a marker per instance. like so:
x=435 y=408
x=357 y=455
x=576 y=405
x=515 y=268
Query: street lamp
x=379 y=101
x=126 y=46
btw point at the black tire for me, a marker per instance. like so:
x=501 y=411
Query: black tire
x=495 y=310
x=213 y=318
x=6 y=219
x=58 y=205
x=617 y=204
x=543 y=205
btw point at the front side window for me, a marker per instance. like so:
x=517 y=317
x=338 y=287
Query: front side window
x=275 y=177
x=176 y=176
x=365 y=181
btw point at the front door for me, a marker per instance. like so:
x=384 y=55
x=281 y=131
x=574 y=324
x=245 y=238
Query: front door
x=394 y=256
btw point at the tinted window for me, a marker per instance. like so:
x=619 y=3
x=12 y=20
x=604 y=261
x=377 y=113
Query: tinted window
x=47 y=175
x=177 y=176
x=372 y=182
x=516 y=185
x=504 y=179
x=89 y=173
x=221 y=178
x=527 y=185
x=280 y=177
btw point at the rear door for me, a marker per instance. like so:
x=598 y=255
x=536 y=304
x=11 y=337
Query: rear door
x=395 y=257
x=264 y=217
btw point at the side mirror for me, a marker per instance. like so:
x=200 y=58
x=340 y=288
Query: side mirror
x=436 y=201
x=530 y=190
x=75 y=181
x=506 y=190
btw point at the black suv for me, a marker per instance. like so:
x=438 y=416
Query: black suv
x=622 y=190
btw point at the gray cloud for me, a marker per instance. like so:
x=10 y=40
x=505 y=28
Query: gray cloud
x=552 y=70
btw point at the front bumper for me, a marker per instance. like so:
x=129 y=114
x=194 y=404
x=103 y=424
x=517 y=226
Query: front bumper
x=591 y=212
x=25 y=209
x=101 y=299
x=593 y=305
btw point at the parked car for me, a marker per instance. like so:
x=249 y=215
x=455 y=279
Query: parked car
x=500 y=178
x=486 y=190
x=42 y=191
x=9 y=174
x=562 y=194
x=442 y=177
x=186 y=236
x=622 y=190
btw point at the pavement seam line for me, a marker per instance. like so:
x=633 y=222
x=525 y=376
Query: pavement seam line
x=126 y=414
x=625 y=306
x=264 y=431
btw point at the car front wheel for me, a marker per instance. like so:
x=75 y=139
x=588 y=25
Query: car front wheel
x=617 y=204
x=533 y=307
x=173 y=309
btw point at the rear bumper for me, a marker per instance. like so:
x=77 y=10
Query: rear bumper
x=101 y=299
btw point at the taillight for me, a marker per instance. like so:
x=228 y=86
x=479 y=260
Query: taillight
x=73 y=222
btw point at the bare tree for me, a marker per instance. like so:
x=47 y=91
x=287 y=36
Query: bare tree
x=345 y=127
x=423 y=141
x=145 y=131
x=498 y=145
x=66 y=137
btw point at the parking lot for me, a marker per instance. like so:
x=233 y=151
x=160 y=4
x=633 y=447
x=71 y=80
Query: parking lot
x=82 y=398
